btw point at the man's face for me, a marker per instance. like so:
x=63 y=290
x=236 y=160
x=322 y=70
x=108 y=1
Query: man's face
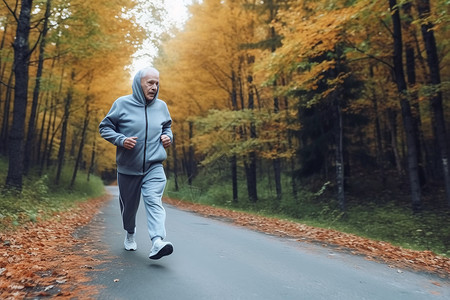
x=150 y=83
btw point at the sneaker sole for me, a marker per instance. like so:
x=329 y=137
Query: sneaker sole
x=130 y=248
x=166 y=250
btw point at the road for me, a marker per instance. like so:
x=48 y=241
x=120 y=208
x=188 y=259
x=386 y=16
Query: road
x=214 y=259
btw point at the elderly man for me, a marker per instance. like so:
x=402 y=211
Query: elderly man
x=139 y=125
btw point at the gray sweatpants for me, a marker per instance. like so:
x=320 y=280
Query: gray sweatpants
x=151 y=186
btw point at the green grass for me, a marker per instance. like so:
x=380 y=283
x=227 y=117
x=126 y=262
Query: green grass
x=427 y=230
x=390 y=221
x=41 y=198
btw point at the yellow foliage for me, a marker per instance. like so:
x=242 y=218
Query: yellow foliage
x=94 y=41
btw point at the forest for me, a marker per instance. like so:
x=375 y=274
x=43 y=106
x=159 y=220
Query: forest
x=347 y=99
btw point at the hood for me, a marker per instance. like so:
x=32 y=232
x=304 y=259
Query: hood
x=138 y=94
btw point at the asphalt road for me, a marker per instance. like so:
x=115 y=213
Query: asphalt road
x=214 y=259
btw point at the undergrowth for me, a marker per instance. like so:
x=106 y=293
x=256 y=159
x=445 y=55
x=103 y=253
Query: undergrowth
x=41 y=198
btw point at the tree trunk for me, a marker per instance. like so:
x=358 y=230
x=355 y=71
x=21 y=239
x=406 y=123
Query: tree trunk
x=341 y=166
x=74 y=142
x=379 y=140
x=423 y=6
x=277 y=160
x=65 y=122
x=191 y=161
x=46 y=147
x=233 y=164
x=47 y=107
x=41 y=130
x=2 y=68
x=392 y=125
x=31 y=122
x=5 y=56
x=175 y=162
x=5 y=123
x=234 y=158
x=411 y=75
x=82 y=142
x=21 y=61
x=289 y=137
x=91 y=166
x=250 y=166
x=405 y=107
x=273 y=10
x=55 y=128
x=339 y=157
x=2 y=44
x=184 y=161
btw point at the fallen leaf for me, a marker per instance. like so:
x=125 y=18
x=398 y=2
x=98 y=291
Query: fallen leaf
x=48 y=288
x=37 y=256
x=16 y=287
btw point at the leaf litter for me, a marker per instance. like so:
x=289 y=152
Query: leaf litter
x=47 y=258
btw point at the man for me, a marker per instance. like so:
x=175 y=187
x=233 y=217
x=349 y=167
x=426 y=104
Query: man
x=139 y=125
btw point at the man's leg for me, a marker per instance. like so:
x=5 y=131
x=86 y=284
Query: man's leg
x=129 y=197
x=152 y=191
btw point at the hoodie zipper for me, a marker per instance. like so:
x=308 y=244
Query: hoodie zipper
x=145 y=141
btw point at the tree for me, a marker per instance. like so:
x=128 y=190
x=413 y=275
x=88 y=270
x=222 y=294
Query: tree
x=65 y=121
x=32 y=120
x=21 y=60
x=82 y=143
x=408 y=124
x=423 y=6
x=6 y=70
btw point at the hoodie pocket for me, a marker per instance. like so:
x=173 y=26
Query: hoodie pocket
x=156 y=152
x=132 y=159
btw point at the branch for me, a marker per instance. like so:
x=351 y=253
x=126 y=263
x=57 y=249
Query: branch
x=38 y=22
x=368 y=55
x=216 y=78
x=375 y=58
x=35 y=45
x=7 y=85
x=61 y=54
x=13 y=12
x=387 y=27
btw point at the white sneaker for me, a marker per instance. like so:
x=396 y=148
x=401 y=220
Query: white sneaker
x=160 y=249
x=130 y=243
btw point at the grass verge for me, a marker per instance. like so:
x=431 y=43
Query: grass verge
x=41 y=198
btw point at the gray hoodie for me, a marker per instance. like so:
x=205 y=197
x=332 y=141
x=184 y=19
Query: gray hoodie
x=130 y=116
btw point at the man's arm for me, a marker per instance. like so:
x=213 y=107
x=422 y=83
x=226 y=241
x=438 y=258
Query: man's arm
x=108 y=128
x=167 y=135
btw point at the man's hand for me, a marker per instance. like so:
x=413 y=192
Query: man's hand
x=165 y=140
x=130 y=142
